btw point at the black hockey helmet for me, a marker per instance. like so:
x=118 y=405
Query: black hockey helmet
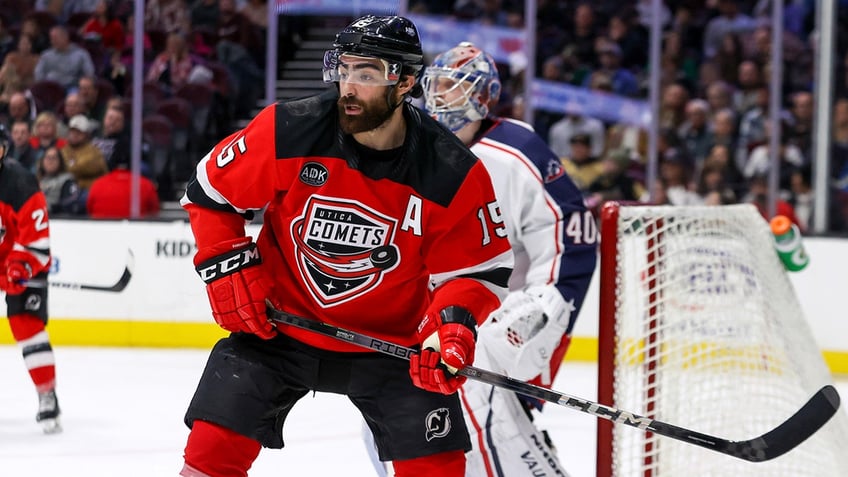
x=391 y=38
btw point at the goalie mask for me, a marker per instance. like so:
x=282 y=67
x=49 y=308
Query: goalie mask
x=393 y=40
x=460 y=85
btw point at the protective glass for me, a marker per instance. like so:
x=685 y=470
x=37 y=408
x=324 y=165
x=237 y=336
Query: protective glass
x=365 y=70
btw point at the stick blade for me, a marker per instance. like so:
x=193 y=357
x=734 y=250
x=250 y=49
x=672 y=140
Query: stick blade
x=795 y=430
x=130 y=260
x=127 y=275
x=122 y=282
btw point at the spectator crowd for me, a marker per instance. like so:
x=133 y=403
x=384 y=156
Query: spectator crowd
x=715 y=71
x=67 y=68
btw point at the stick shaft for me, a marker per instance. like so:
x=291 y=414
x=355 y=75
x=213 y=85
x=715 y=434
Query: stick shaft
x=812 y=416
x=119 y=286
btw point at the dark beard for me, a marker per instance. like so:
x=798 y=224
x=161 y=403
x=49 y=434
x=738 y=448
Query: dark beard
x=373 y=115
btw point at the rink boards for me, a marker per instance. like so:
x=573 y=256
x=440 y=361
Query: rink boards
x=164 y=303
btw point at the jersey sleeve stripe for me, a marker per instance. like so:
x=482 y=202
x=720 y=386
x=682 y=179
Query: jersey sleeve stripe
x=492 y=274
x=552 y=206
x=498 y=276
x=506 y=149
x=41 y=244
x=496 y=281
x=201 y=192
x=207 y=188
x=42 y=256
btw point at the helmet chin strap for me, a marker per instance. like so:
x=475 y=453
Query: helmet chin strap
x=389 y=93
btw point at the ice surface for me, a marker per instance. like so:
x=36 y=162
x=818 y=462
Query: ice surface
x=123 y=408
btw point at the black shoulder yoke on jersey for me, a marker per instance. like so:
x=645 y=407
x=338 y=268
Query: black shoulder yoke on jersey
x=434 y=162
x=17 y=184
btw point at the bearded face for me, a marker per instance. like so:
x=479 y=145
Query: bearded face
x=357 y=114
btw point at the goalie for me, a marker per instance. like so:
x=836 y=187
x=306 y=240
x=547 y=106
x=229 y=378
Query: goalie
x=554 y=238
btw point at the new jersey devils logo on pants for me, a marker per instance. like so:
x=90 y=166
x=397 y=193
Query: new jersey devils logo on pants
x=342 y=248
x=438 y=423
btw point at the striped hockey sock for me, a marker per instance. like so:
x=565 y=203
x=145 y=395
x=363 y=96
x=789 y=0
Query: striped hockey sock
x=37 y=352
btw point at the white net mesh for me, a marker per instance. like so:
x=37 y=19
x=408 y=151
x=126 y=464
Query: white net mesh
x=710 y=336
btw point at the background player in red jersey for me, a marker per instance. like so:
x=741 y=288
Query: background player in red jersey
x=555 y=240
x=25 y=254
x=377 y=220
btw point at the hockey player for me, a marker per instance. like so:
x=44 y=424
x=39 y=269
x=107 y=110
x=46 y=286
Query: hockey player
x=554 y=238
x=25 y=255
x=377 y=220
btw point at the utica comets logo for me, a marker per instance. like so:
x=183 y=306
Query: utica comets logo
x=343 y=248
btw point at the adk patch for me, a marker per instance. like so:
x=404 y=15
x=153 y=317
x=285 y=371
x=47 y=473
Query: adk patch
x=314 y=174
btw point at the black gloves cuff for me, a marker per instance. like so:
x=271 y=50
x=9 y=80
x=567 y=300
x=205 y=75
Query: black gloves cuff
x=458 y=314
x=228 y=263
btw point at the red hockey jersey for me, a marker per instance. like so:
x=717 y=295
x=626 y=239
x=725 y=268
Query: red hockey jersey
x=23 y=218
x=351 y=238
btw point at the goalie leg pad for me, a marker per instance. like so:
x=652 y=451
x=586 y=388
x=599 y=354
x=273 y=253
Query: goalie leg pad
x=505 y=440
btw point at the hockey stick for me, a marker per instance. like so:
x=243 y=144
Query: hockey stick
x=780 y=440
x=116 y=288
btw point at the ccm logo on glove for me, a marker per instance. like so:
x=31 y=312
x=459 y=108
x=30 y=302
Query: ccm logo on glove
x=228 y=263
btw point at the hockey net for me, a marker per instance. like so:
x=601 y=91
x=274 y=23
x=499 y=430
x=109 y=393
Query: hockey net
x=700 y=327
